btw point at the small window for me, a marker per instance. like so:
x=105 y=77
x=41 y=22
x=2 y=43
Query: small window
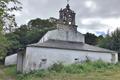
x=76 y=60
x=44 y=61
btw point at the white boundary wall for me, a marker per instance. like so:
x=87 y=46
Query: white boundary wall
x=11 y=60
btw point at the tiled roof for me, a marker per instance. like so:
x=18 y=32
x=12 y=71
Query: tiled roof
x=70 y=45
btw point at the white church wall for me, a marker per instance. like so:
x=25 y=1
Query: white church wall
x=11 y=60
x=63 y=35
x=38 y=58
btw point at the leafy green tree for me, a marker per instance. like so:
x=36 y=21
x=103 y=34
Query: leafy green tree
x=90 y=39
x=4 y=18
x=28 y=34
x=100 y=37
x=33 y=31
x=3 y=46
x=14 y=44
x=116 y=40
x=40 y=24
x=112 y=41
x=106 y=42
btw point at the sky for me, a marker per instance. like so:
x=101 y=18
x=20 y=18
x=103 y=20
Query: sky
x=94 y=16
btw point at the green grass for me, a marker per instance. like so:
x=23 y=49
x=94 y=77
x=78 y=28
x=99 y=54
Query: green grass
x=87 y=71
x=7 y=72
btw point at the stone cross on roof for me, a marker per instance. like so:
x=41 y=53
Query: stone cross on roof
x=68 y=1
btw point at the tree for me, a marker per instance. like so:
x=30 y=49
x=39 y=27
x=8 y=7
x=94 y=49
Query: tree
x=28 y=34
x=105 y=42
x=90 y=39
x=40 y=24
x=3 y=46
x=116 y=40
x=7 y=20
x=112 y=41
x=4 y=18
x=14 y=44
x=33 y=31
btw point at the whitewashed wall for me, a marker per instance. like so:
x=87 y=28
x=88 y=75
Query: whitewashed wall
x=11 y=60
x=63 y=35
x=34 y=56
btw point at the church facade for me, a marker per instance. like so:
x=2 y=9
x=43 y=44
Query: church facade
x=64 y=44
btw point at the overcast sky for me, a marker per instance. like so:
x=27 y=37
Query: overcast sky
x=95 y=16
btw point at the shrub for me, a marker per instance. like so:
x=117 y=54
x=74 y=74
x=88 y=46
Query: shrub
x=58 y=67
x=74 y=68
x=41 y=73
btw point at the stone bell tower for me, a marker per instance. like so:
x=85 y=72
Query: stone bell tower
x=67 y=18
x=66 y=28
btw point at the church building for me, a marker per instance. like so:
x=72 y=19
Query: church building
x=64 y=44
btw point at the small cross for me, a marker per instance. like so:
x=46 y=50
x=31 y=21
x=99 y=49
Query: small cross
x=68 y=1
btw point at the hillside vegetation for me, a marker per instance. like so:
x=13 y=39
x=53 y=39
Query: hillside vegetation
x=86 y=71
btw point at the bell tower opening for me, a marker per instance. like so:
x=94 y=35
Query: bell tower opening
x=66 y=19
x=67 y=16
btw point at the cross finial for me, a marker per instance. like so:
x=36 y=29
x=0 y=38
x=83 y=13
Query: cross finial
x=68 y=1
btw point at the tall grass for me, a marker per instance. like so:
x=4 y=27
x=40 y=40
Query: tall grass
x=84 y=67
x=98 y=66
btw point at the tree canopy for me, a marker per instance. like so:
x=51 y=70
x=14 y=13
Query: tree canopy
x=111 y=41
x=4 y=18
x=28 y=34
x=92 y=39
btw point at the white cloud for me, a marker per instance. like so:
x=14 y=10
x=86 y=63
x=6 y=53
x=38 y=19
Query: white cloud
x=91 y=5
x=91 y=15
